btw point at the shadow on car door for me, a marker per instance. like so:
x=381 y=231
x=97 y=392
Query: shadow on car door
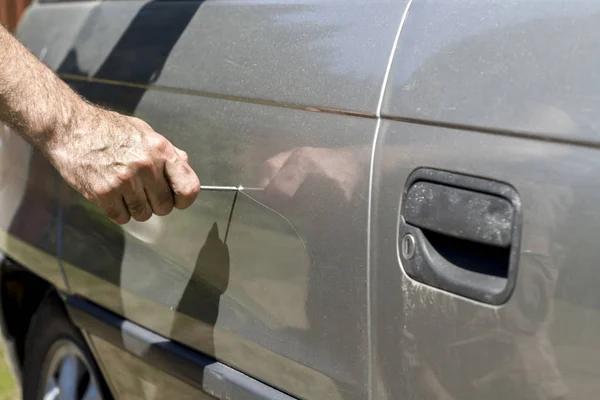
x=123 y=269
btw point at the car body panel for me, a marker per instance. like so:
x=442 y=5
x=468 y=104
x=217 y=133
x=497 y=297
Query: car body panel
x=490 y=65
x=245 y=278
x=140 y=355
x=150 y=383
x=505 y=91
x=298 y=53
x=29 y=184
x=277 y=283
x=53 y=46
x=28 y=193
x=541 y=344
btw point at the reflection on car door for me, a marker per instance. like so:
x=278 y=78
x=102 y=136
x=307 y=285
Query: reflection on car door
x=257 y=93
x=295 y=310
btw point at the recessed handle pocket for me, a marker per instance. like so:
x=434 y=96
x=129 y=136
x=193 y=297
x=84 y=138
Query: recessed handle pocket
x=460 y=234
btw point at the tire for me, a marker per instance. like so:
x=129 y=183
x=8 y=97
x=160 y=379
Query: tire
x=52 y=338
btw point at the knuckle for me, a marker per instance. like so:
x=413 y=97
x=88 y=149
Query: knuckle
x=121 y=177
x=185 y=156
x=159 y=143
x=101 y=191
x=190 y=189
x=143 y=164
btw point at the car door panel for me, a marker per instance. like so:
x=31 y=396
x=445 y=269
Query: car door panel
x=28 y=185
x=454 y=346
x=28 y=182
x=297 y=53
x=280 y=52
x=505 y=93
x=513 y=62
x=287 y=260
x=235 y=84
x=61 y=24
x=155 y=384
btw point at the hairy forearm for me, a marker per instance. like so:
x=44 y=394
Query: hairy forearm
x=33 y=100
x=115 y=161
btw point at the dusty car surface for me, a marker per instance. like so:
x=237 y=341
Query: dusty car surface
x=402 y=203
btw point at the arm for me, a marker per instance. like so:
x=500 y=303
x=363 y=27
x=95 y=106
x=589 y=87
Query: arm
x=115 y=161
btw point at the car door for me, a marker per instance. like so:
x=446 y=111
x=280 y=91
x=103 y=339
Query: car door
x=272 y=282
x=484 y=207
x=28 y=193
x=298 y=248
x=109 y=54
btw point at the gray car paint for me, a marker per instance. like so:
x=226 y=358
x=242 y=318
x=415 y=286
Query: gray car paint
x=300 y=53
x=489 y=64
x=505 y=91
x=28 y=186
x=273 y=300
x=501 y=90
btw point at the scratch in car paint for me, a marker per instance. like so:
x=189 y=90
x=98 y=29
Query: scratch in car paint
x=241 y=190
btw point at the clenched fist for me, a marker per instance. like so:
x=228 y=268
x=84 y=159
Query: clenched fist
x=122 y=165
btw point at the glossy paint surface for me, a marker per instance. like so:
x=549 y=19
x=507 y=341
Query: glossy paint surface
x=28 y=207
x=298 y=53
x=276 y=283
x=542 y=344
x=493 y=64
x=29 y=203
x=150 y=384
x=505 y=91
x=255 y=279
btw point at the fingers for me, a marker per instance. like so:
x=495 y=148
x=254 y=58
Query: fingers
x=158 y=192
x=160 y=198
x=145 y=175
x=150 y=188
x=183 y=181
x=139 y=200
x=182 y=154
x=137 y=204
x=116 y=210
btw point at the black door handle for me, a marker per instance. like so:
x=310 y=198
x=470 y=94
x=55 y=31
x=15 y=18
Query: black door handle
x=460 y=234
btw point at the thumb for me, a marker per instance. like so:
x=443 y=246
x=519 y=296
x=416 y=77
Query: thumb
x=183 y=182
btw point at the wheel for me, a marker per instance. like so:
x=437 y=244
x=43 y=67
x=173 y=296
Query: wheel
x=58 y=364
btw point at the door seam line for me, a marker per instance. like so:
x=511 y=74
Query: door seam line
x=384 y=84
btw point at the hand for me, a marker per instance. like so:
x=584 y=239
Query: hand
x=341 y=169
x=122 y=165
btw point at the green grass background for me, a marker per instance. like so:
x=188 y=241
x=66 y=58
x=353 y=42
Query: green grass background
x=8 y=387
